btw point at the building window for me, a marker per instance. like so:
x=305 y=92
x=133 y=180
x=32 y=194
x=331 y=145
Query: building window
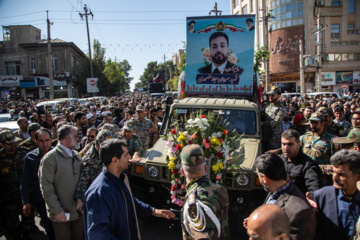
x=245 y=10
x=12 y=68
x=335 y=3
x=235 y=3
x=6 y=34
x=335 y=32
x=351 y=6
x=33 y=63
x=251 y=6
x=55 y=63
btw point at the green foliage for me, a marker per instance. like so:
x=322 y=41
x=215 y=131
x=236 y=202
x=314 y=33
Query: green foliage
x=261 y=56
x=115 y=76
x=153 y=68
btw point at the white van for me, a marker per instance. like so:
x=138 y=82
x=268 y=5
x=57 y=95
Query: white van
x=331 y=94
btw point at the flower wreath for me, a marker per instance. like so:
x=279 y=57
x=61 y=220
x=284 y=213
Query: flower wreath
x=211 y=133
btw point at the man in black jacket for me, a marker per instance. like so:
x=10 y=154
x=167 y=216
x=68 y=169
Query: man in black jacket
x=304 y=172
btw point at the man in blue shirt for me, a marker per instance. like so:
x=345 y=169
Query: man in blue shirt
x=30 y=187
x=338 y=206
x=110 y=210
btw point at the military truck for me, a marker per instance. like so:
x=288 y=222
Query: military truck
x=150 y=178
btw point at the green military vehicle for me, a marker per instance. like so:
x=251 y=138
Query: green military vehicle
x=150 y=178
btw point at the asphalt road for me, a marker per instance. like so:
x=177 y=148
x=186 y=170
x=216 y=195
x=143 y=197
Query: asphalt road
x=150 y=229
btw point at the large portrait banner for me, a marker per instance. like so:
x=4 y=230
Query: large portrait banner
x=220 y=55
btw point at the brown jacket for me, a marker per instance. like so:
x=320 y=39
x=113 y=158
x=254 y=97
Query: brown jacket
x=58 y=176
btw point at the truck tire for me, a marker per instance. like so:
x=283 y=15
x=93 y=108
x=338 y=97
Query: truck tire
x=236 y=219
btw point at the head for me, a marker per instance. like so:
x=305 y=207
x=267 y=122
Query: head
x=114 y=155
x=290 y=143
x=270 y=168
x=23 y=124
x=108 y=118
x=43 y=140
x=268 y=222
x=128 y=130
x=153 y=113
x=80 y=119
x=346 y=170
x=32 y=128
x=353 y=107
x=249 y=23
x=191 y=25
x=193 y=162
x=339 y=113
x=355 y=119
x=317 y=123
x=219 y=48
x=67 y=136
x=140 y=111
x=49 y=121
x=8 y=141
x=43 y=117
x=91 y=134
x=127 y=114
x=308 y=111
x=347 y=108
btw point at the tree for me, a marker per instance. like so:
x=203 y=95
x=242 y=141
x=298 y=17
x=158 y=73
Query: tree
x=125 y=67
x=261 y=56
x=115 y=76
x=151 y=69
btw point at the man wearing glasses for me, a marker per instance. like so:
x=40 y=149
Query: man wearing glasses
x=90 y=137
x=355 y=122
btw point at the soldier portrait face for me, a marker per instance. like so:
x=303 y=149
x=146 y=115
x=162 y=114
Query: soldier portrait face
x=344 y=178
x=290 y=147
x=219 y=50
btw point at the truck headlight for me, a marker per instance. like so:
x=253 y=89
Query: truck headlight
x=242 y=180
x=153 y=171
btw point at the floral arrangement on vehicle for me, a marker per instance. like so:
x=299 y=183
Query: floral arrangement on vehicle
x=211 y=133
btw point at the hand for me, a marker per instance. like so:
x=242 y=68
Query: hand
x=276 y=151
x=153 y=129
x=245 y=223
x=311 y=202
x=163 y=213
x=79 y=206
x=27 y=209
x=60 y=217
x=136 y=158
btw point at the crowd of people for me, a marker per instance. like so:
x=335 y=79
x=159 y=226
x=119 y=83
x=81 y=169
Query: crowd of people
x=69 y=163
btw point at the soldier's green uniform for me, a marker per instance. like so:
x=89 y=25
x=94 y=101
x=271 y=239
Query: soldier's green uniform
x=317 y=147
x=334 y=129
x=29 y=145
x=134 y=144
x=92 y=165
x=11 y=167
x=142 y=128
x=274 y=114
x=205 y=212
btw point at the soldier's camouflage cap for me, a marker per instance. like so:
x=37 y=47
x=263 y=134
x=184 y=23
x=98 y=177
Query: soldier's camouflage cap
x=129 y=125
x=274 y=91
x=104 y=135
x=33 y=127
x=192 y=155
x=352 y=137
x=325 y=111
x=139 y=108
x=316 y=116
x=7 y=137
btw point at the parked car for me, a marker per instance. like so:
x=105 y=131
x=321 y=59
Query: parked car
x=12 y=125
x=291 y=95
x=54 y=102
x=317 y=94
x=4 y=117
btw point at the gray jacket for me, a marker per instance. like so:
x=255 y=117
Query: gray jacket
x=58 y=176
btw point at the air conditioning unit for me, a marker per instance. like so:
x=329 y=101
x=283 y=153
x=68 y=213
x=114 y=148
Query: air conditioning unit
x=32 y=71
x=310 y=61
x=319 y=3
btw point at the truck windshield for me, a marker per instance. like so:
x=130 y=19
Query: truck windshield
x=239 y=120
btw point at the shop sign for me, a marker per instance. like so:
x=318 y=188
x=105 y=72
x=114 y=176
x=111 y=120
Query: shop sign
x=10 y=81
x=42 y=80
x=328 y=78
x=344 y=77
x=356 y=77
x=92 y=85
x=27 y=84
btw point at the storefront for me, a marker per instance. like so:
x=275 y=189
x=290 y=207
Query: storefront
x=10 y=86
x=340 y=82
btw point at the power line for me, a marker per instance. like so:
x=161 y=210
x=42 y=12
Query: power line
x=24 y=14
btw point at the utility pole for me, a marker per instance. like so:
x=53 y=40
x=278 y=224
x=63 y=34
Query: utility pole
x=164 y=73
x=216 y=11
x=86 y=14
x=319 y=53
x=302 y=84
x=265 y=19
x=50 y=63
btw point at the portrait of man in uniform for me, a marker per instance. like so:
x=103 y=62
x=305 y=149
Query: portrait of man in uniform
x=219 y=53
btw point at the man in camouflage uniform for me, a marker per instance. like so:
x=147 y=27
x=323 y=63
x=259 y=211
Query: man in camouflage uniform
x=202 y=196
x=92 y=165
x=273 y=116
x=30 y=143
x=11 y=167
x=143 y=126
x=350 y=142
x=330 y=126
x=317 y=142
x=133 y=142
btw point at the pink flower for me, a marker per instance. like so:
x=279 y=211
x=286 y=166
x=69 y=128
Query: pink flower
x=206 y=143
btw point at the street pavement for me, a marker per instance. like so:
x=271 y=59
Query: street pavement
x=153 y=228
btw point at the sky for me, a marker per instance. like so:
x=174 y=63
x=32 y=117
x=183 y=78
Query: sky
x=139 y=31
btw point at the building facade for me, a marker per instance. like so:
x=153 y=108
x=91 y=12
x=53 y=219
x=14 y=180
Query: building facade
x=282 y=24
x=24 y=65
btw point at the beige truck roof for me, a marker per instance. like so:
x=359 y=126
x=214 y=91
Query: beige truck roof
x=216 y=103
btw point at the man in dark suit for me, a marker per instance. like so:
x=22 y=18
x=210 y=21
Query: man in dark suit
x=219 y=51
x=275 y=180
x=338 y=206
